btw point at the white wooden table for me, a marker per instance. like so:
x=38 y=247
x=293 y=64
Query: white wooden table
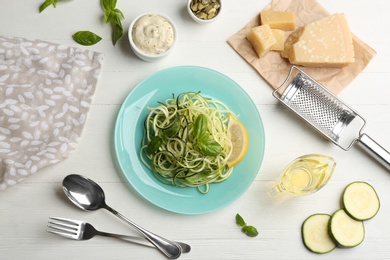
x=25 y=208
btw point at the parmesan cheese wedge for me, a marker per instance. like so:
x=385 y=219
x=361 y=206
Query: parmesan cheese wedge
x=324 y=43
x=278 y=20
x=262 y=39
x=280 y=38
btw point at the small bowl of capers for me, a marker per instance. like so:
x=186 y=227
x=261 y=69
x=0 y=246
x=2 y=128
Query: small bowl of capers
x=204 y=11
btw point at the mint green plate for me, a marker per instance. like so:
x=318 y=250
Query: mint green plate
x=129 y=132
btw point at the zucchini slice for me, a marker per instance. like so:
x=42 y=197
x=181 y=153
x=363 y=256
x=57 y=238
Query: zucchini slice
x=344 y=230
x=360 y=201
x=315 y=234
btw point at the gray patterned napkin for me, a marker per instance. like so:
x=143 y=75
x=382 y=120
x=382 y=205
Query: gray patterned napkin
x=46 y=90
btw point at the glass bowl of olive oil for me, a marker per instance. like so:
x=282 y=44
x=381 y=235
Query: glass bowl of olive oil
x=305 y=175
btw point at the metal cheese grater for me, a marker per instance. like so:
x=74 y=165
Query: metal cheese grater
x=327 y=113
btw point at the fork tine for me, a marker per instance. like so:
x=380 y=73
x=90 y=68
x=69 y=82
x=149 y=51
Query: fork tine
x=63 y=227
x=60 y=227
x=65 y=221
x=63 y=234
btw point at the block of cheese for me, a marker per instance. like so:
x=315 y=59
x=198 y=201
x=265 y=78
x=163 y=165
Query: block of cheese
x=278 y=20
x=324 y=43
x=280 y=37
x=261 y=38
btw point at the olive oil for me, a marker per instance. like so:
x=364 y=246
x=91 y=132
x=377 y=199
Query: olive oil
x=305 y=175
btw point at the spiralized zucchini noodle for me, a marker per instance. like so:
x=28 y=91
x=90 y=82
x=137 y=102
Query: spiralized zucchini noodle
x=186 y=141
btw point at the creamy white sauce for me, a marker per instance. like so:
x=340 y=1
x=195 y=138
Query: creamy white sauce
x=153 y=34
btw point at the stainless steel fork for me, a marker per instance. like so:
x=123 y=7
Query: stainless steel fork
x=80 y=230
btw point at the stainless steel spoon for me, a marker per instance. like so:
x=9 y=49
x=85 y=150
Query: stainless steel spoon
x=88 y=195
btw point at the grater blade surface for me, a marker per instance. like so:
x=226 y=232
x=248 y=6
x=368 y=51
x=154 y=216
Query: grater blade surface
x=320 y=108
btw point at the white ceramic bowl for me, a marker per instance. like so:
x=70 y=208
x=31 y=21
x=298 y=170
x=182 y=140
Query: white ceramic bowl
x=147 y=56
x=203 y=21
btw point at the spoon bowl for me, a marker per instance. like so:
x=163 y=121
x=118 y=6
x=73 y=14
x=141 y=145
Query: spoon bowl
x=88 y=195
x=83 y=192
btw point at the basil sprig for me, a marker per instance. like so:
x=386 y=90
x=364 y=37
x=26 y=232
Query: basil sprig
x=206 y=144
x=248 y=230
x=46 y=4
x=113 y=16
x=86 y=38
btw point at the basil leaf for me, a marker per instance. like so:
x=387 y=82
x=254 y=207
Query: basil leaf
x=117 y=32
x=240 y=221
x=109 y=4
x=118 y=13
x=250 y=231
x=154 y=144
x=86 y=38
x=113 y=4
x=46 y=4
x=200 y=126
x=108 y=16
x=209 y=146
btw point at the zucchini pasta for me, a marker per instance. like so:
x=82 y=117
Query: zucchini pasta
x=186 y=141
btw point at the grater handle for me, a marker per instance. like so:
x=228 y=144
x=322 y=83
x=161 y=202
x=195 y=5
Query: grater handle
x=375 y=150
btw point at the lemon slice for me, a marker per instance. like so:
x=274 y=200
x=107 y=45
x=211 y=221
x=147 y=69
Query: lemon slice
x=239 y=138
